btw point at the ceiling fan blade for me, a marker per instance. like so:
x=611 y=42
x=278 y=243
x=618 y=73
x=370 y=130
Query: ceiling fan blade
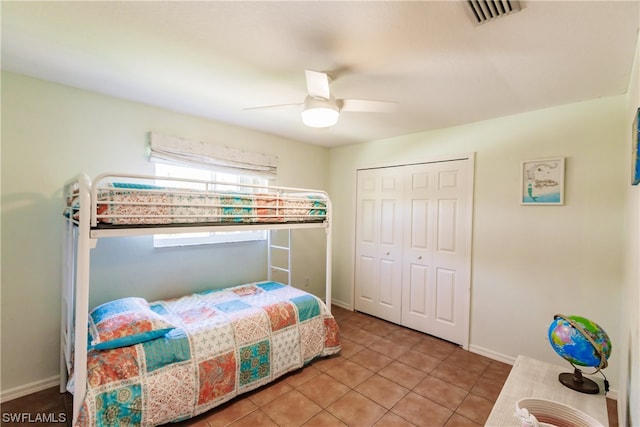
x=317 y=84
x=273 y=107
x=366 y=105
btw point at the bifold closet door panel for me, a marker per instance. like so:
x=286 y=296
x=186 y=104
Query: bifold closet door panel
x=378 y=275
x=419 y=220
x=435 y=265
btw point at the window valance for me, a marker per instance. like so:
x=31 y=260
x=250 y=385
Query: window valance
x=172 y=149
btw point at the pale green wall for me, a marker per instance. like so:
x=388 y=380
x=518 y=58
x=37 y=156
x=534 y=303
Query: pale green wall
x=629 y=345
x=52 y=132
x=528 y=262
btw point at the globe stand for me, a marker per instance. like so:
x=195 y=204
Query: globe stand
x=577 y=382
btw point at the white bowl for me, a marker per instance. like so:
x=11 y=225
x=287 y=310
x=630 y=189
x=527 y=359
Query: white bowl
x=534 y=412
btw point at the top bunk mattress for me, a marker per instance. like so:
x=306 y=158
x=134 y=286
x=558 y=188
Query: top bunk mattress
x=133 y=204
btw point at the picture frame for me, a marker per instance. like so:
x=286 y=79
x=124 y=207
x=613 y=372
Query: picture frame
x=542 y=182
x=635 y=149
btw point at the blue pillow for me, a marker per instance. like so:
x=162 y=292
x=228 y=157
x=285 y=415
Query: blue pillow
x=124 y=322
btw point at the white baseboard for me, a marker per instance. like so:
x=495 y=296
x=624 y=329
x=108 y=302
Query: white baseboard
x=492 y=354
x=34 y=387
x=342 y=304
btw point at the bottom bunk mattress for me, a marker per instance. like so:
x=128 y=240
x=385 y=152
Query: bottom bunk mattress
x=212 y=347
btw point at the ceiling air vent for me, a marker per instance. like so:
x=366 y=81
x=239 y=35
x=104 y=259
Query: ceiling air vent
x=482 y=11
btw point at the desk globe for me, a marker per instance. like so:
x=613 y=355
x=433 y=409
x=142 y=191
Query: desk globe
x=580 y=342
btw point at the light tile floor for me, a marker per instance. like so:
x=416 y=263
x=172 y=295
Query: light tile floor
x=385 y=375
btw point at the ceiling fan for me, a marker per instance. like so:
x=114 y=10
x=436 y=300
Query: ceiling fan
x=322 y=109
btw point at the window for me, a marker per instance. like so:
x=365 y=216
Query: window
x=230 y=181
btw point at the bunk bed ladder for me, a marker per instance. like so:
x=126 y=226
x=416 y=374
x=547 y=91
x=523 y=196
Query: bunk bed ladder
x=272 y=260
x=67 y=319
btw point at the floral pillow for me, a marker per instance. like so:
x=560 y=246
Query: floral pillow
x=125 y=322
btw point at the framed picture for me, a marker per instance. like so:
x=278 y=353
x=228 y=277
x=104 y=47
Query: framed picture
x=542 y=182
x=635 y=154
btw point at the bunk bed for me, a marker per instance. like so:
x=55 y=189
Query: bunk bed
x=150 y=358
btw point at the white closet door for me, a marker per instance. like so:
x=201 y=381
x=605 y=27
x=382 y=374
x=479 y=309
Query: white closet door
x=437 y=236
x=378 y=275
x=418 y=268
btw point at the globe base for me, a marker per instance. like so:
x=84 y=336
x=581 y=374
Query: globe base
x=577 y=382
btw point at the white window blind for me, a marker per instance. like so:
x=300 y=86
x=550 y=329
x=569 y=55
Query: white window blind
x=198 y=154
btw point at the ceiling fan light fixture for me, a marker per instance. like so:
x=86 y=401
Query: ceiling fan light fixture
x=320 y=113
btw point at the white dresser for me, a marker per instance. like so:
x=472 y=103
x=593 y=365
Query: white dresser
x=533 y=378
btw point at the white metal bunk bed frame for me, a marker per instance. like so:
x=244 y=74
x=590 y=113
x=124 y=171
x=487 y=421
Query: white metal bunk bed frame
x=81 y=235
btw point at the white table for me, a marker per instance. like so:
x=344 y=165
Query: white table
x=533 y=378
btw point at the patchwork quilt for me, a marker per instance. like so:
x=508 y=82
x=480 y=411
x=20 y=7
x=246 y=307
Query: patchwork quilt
x=135 y=204
x=132 y=204
x=226 y=342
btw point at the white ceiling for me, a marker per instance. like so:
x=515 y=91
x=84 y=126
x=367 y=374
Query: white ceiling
x=216 y=58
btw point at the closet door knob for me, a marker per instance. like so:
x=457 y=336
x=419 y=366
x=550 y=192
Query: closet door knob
x=420 y=257
x=387 y=253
